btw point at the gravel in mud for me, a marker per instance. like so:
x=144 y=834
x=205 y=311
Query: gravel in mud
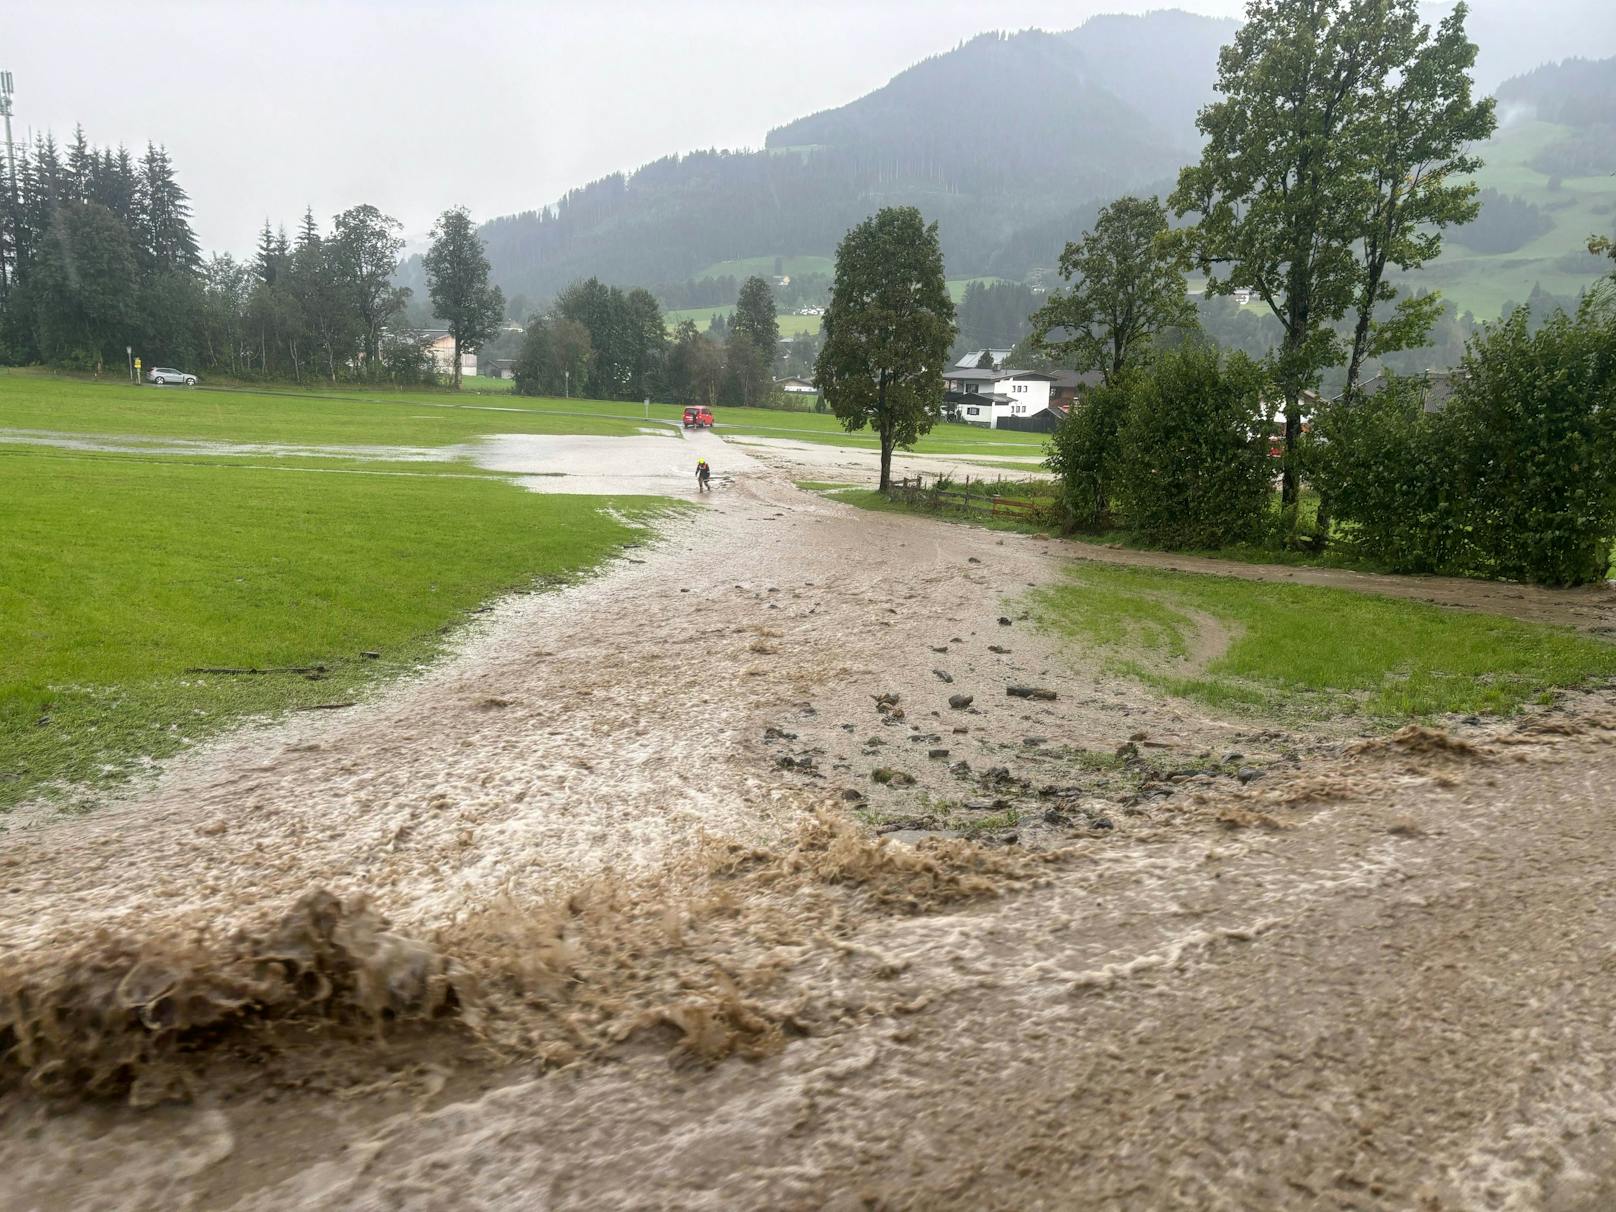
x=1372 y=974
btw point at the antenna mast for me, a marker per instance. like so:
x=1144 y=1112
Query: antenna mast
x=5 y=108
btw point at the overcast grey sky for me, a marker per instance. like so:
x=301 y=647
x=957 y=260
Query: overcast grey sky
x=503 y=106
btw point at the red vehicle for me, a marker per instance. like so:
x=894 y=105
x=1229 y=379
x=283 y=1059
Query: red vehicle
x=698 y=417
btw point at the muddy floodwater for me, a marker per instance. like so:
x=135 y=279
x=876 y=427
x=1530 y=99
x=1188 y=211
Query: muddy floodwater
x=625 y=904
x=647 y=464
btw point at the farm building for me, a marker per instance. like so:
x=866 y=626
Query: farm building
x=440 y=346
x=796 y=386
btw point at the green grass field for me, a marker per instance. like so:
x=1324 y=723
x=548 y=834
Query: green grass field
x=121 y=569
x=278 y=416
x=790 y=325
x=1304 y=651
x=956 y=286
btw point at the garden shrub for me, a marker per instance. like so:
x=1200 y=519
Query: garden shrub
x=1377 y=462
x=1083 y=453
x=1192 y=454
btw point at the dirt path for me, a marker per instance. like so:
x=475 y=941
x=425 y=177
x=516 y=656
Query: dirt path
x=1367 y=979
x=1589 y=608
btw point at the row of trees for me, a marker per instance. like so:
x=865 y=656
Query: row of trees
x=97 y=253
x=602 y=342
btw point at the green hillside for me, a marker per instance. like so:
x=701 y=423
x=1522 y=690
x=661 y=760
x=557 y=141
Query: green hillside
x=1557 y=259
x=747 y=267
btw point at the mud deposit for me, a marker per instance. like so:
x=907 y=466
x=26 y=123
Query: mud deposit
x=626 y=906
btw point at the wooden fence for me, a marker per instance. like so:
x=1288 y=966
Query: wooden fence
x=913 y=491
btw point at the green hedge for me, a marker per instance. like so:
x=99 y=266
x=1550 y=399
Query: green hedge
x=1515 y=477
x=1192 y=455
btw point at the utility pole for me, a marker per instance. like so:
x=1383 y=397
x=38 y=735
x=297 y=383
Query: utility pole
x=11 y=181
x=5 y=108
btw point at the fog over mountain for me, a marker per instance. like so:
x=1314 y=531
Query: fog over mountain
x=270 y=106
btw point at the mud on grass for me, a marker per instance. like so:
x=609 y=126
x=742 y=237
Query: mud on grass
x=118 y=576
x=1303 y=651
x=698 y=958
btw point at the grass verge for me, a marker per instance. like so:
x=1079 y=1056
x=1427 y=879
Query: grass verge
x=878 y=502
x=118 y=574
x=1310 y=652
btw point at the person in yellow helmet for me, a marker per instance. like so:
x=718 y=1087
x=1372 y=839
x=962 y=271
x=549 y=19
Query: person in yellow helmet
x=703 y=474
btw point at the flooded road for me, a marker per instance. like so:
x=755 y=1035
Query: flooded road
x=1374 y=977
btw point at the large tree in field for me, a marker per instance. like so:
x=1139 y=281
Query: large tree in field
x=887 y=330
x=1127 y=286
x=1328 y=158
x=364 y=248
x=457 y=280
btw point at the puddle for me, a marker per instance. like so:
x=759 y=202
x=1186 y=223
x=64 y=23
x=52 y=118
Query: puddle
x=138 y=444
x=643 y=465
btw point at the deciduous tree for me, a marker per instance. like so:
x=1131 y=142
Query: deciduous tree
x=365 y=245
x=1127 y=287
x=887 y=330
x=457 y=280
x=1302 y=192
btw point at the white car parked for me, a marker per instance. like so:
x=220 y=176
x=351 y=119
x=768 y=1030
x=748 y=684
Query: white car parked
x=167 y=374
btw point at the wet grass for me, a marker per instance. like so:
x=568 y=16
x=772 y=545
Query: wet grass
x=118 y=574
x=878 y=502
x=1304 y=651
x=265 y=416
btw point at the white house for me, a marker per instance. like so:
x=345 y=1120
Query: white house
x=984 y=397
x=796 y=386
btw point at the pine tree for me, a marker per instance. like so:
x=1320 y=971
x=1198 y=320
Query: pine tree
x=165 y=216
x=80 y=167
x=267 y=263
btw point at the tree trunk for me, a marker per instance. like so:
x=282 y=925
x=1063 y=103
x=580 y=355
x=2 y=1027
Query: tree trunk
x=885 y=426
x=1290 y=481
x=457 y=364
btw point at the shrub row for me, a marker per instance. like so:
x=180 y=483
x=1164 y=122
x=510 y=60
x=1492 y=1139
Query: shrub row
x=1515 y=477
x=1179 y=451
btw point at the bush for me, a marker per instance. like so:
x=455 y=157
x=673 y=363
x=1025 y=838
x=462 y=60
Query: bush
x=1376 y=461
x=1192 y=460
x=1531 y=433
x=1515 y=478
x=1083 y=453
